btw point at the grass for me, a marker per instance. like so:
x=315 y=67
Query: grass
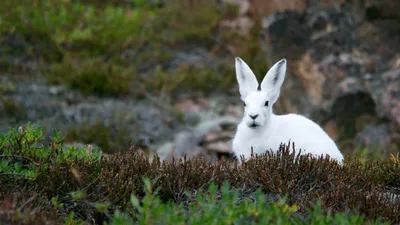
x=92 y=76
x=48 y=183
x=100 y=135
x=112 y=49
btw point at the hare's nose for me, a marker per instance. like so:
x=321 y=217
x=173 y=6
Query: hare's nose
x=253 y=116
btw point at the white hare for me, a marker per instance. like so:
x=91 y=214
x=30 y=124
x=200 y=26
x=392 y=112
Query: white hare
x=262 y=130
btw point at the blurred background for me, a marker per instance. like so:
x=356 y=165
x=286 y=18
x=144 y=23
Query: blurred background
x=159 y=74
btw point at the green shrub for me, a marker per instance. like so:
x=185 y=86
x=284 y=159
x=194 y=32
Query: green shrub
x=224 y=207
x=92 y=76
x=23 y=152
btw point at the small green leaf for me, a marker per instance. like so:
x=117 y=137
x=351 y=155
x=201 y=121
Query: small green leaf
x=135 y=201
x=54 y=200
x=102 y=207
x=70 y=218
x=77 y=195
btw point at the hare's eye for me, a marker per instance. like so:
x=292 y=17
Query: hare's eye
x=266 y=103
x=244 y=104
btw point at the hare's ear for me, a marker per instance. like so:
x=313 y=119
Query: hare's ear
x=245 y=77
x=273 y=80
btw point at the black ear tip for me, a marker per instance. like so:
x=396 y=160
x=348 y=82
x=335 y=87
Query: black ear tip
x=282 y=61
x=238 y=59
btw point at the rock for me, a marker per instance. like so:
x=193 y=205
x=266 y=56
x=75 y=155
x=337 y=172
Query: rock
x=334 y=66
x=186 y=142
x=215 y=125
x=390 y=101
x=125 y=121
x=385 y=90
x=365 y=120
x=187 y=105
x=395 y=62
x=192 y=117
x=165 y=150
x=347 y=108
x=331 y=128
x=312 y=79
x=259 y=9
x=190 y=111
x=373 y=94
x=242 y=25
x=211 y=137
x=383 y=9
x=375 y=136
x=220 y=147
x=282 y=38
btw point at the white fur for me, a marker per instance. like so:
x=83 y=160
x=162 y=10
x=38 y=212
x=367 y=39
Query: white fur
x=271 y=130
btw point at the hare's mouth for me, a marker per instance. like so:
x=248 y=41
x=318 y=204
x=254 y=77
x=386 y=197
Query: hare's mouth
x=253 y=125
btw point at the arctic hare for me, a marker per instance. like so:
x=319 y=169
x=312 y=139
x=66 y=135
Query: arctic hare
x=262 y=130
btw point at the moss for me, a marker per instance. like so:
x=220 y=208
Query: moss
x=5 y=65
x=10 y=108
x=207 y=79
x=94 y=55
x=85 y=35
x=188 y=24
x=231 y=11
x=186 y=78
x=101 y=135
x=99 y=28
x=92 y=75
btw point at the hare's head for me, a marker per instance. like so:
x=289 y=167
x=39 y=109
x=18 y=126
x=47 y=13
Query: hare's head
x=259 y=99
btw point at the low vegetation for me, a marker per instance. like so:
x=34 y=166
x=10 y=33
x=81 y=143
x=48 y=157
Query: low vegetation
x=124 y=48
x=132 y=48
x=43 y=181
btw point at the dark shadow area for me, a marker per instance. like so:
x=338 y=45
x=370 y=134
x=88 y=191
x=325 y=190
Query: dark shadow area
x=347 y=108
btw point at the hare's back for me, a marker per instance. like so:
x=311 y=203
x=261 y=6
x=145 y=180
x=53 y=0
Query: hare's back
x=304 y=132
x=298 y=121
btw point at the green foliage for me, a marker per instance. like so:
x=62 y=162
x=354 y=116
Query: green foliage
x=7 y=167
x=112 y=49
x=54 y=202
x=77 y=195
x=371 y=152
x=224 y=207
x=100 y=135
x=190 y=78
x=92 y=76
x=11 y=108
x=102 y=207
x=80 y=185
x=23 y=149
x=69 y=220
x=86 y=35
